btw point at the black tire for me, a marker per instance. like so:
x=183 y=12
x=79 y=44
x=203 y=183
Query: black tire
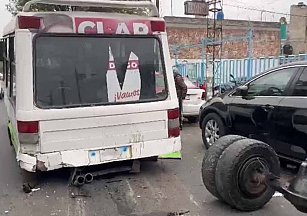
x=221 y=125
x=232 y=182
x=192 y=119
x=1 y=94
x=210 y=161
x=9 y=136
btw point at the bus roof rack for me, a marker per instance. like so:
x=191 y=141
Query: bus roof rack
x=146 y=4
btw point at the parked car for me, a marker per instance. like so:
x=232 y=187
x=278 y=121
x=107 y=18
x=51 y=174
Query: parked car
x=228 y=86
x=1 y=86
x=271 y=107
x=195 y=98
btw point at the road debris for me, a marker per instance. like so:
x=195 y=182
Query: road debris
x=6 y=212
x=277 y=194
x=35 y=189
x=178 y=213
x=79 y=193
x=27 y=188
x=114 y=181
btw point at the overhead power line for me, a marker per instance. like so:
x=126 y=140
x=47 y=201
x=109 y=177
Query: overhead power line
x=264 y=11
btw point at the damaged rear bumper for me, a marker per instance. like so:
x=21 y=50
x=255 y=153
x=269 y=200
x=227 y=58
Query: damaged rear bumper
x=89 y=157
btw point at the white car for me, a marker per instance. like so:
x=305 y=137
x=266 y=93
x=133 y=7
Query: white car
x=1 y=86
x=195 y=98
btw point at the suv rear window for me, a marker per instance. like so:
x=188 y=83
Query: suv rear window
x=87 y=71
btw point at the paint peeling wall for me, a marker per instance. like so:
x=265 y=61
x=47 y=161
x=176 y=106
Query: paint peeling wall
x=190 y=31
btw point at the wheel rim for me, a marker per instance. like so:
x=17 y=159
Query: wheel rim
x=212 y=132
x=252 y=177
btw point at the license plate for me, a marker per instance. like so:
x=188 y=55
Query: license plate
x=110 y=154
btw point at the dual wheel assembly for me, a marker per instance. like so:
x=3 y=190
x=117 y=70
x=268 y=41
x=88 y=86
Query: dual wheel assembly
x=245 y=173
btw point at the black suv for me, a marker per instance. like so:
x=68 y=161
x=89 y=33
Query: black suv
x=271 y=107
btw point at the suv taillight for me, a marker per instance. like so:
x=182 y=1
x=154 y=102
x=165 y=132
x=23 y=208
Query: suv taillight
x=173 y=123
x=204 y=96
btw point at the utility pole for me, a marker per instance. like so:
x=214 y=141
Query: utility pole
x=158 y=5
x=214 y=37
x=250 y=40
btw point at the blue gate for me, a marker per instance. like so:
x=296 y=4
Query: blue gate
x=237 y=67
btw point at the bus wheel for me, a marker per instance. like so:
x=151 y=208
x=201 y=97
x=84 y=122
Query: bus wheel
x=1 y=94
x=242 y=174
x=9 y=136
x=211 y=158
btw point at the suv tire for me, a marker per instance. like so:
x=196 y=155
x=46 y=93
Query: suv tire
x=216 y=124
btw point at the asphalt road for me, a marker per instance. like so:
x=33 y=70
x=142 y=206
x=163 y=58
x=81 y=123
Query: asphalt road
x=161 y=187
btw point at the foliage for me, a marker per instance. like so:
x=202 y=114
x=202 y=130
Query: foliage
x=15 y=5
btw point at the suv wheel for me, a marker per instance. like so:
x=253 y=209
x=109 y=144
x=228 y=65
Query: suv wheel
x=212 y=129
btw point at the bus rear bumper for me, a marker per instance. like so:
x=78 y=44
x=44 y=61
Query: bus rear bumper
x=90 y=157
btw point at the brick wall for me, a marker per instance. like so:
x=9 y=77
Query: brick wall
x=190 y=31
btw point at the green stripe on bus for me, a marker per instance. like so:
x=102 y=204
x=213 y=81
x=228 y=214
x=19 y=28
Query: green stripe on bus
x=14 y=136
x=175 y=155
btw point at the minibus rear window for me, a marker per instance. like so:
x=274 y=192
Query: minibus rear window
x=87 y=71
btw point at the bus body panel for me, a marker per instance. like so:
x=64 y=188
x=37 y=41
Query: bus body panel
x=91 y=135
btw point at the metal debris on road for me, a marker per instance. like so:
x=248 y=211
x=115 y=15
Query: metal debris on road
x=27 y=188
x=277 y=194
x=35 y=189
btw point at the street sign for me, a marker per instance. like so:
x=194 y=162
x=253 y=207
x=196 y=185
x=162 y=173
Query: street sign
x=196 y=8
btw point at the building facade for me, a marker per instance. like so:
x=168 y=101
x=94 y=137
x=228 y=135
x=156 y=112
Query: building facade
x=191 y=31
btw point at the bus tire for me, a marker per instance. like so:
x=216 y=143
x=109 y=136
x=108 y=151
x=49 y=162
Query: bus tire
x=210 y=161
x=1 y=94
x=9 y=136
x=241 y=178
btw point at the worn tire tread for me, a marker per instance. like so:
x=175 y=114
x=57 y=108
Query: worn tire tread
x=225 y=172
x=210 y=161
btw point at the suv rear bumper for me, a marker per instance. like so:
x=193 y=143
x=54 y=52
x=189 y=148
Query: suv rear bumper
x=89 y=157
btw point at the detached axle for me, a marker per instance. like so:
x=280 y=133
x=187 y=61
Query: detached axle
x=245 y=173
x=296 y=193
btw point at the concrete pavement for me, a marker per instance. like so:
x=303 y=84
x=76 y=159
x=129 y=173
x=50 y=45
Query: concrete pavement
x=161 y=187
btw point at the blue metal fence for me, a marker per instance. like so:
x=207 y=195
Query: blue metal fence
x=237 y=67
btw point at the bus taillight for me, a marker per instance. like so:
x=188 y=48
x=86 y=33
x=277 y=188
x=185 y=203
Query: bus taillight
x=28 y=127
x=173 y=123
x=29 y=22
